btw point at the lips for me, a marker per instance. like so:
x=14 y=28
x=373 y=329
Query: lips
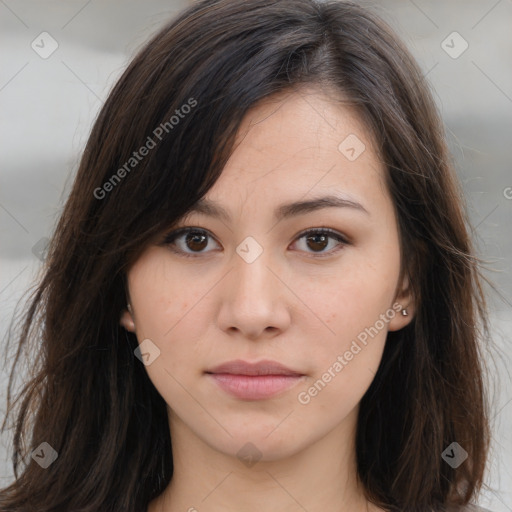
x=239 y=367
x=254 y=381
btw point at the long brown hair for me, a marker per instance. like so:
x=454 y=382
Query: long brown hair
x=90 y=398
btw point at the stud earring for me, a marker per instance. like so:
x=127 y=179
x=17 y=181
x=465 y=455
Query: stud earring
x=129 y=308
x=404 y=312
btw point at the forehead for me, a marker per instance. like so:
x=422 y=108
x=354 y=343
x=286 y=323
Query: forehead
x=301 y=143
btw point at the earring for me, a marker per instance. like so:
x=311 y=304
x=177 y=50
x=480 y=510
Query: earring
x=129 y=308
x=404 y=312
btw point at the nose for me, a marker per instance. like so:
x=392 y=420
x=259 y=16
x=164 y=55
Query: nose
x=254 y=300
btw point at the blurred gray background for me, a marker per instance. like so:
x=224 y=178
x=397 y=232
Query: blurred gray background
x=60 y=59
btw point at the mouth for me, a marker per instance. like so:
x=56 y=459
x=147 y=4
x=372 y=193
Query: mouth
x=266 y=367
x=254 y=381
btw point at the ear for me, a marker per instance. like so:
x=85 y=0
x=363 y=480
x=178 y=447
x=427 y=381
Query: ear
x=403 y=300
x=127 y=321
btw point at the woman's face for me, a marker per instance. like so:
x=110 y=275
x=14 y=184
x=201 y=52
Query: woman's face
x=254 y=285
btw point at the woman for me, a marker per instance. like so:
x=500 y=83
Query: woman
x=261 y=293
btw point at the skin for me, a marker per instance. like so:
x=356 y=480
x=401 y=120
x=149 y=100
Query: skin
x=289 y=305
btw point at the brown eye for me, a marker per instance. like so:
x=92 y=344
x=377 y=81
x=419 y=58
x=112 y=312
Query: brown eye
x=191 y=240
x=196 y=241
x=317 y=240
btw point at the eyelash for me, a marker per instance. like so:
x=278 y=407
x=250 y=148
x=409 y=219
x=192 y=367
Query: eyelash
x=171 y=237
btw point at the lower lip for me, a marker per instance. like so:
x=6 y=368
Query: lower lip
x=255 y=387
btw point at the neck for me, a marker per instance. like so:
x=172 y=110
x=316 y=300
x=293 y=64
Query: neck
x=321 y=477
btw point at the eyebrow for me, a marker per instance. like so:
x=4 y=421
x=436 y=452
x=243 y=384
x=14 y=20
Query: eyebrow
x=287 y=210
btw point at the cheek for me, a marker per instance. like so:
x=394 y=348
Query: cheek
x=346 y=362
x=159 y=297
x=360 y=292
x=167 y=312
x=356 y=308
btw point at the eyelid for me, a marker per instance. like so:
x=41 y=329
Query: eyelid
x=324 y=229
x=342 y=239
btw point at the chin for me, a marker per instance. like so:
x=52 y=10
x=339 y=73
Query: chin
x=256 y=443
